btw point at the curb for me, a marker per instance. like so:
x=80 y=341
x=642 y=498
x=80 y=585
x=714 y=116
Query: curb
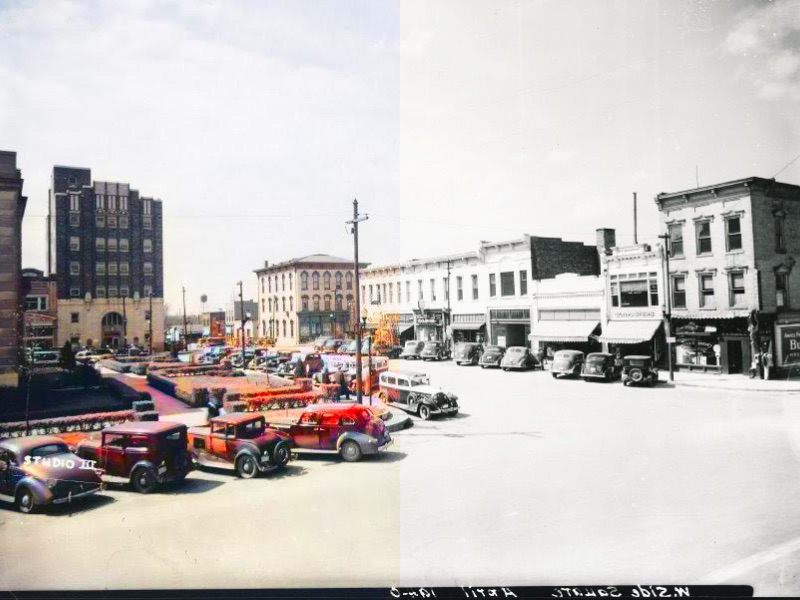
x=738 y=389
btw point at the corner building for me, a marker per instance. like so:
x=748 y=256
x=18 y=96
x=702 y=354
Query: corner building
x=105 y=248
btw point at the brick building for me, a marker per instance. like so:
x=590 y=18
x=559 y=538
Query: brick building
x=12 y=208
x=41 y=310
x=105 y=247
x=733 y=287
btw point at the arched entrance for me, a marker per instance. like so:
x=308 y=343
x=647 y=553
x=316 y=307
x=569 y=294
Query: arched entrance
x=112 y=329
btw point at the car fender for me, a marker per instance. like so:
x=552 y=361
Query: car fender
x=147 y=464
x=41 y=492
x=362 y=439
x=252 y=452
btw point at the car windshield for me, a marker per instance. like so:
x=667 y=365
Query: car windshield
x=431 y=345
x=420 y=380
x=49 y=450
x=494 y=349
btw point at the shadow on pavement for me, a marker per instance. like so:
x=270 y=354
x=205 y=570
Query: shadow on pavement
x=80 y=505
x=387 y=456
x=190 y=485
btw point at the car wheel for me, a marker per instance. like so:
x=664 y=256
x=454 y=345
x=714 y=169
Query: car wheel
x=280 y=457
x=555 y=375
x=26 y=503
x=144 y=480
x=246 y=467
x=350 y=451
x=474 y=360
x=483 y=366
x=505 y=369
x=636 y=375
x=424 y=412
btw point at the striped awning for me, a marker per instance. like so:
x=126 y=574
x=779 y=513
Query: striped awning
x=629 y=332
x=563 y=331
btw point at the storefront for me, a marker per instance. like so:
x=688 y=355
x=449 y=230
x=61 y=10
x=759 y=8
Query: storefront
x=316 y=324
x=469 y=328
x=510 y=327
x=636 y=331
x=405 y=327
x=713 y=345
x=549 y=337
x=787 y=355
x=429 y=325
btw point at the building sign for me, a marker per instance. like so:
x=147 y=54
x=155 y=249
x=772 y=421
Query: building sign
x=635 y=314
x=510 y=315
x=790 y=345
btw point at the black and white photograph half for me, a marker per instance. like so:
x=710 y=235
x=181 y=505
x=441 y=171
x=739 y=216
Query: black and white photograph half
x=473 y=296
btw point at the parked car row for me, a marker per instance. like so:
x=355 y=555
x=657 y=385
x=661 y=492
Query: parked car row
x=633 y=369
x=42 y=470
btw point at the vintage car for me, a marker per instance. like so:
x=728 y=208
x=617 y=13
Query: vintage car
x=519 y=357
x=412 y=349
x=348 y=347
x=313 y=363
x=639 y=370
x=492 y=356
x=413 y=393
x=242 y=442
x=567 y=362
x=319 y=343
x=350 y=430
x=468 y=353
x=599 y=365
x=144 y=453
x=435 y=351
x=331 y=346
x=387 y=350
x=39 y=470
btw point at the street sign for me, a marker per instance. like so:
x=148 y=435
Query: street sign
x=672 y=340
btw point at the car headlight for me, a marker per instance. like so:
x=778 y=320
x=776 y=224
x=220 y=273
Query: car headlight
x=51 y=483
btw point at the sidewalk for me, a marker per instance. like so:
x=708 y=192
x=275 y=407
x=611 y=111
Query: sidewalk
x=739 y=383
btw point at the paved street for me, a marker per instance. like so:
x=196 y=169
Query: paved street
x=536 y=482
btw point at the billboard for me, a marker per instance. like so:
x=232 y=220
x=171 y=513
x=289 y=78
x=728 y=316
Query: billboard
x=789 y=341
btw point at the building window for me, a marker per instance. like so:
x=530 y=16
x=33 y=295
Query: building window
x=147 y=207
x=316 y=303
x=124 y=268
x=124 y=291
x=74 y=292
x=112 y=268
x=348 y=281
x=100 y=292
x=291 y=283
x=112 y=203
x=614 y=290
x=99 y=202
x=284 y=328
x=148 y=291
x=74 y=203
x=283 y=303
x=635 y=289
x=523 y=283
x=100 y=220
x=338 y=280
x=74 y=219
x=123 y=221
x=399 y=293
x=148 y=268
x=270 y=304
x=327 y=302
x=283 y=282
x=35 y=302
x=74 y=268
x=736 y=285
x=433 y=290
x=147 y=245
x=147 y=222
x=112 y=291
x=507 y=284
x=459 y=288
x=326 y=278
x=291 y=304
x=371 y=298
x=419 y=288
x=679 y=291
x=706 y=290
x=408 y=291
x=74 y=317
x=338 y=303
x=123 y=245
x=304 y=303
x=474 y=287
x=303 y=280
x=781 y=290
x=112 y=221
x=780 y=241
x=363 y=295
x=492 y=286
x=675 y=240
x=112 y=244
x=291 y=328
x=74 y=243
x=391 y=294
x=703 y=229
x=382 y=297
x=733 y=231
x=100 y=244
x=123 y=203
x=315 y=280
x=100 y=268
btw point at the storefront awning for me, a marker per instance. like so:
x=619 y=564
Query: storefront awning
x=629 y=332
x=468 y=326
x=563 y=331
x=403 y=327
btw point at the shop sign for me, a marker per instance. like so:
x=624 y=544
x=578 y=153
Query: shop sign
x=790 y=345
x=635 y=314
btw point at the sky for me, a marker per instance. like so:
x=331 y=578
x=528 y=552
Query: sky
x=258 y=123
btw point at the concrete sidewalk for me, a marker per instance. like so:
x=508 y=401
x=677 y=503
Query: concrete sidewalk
x=739 y=383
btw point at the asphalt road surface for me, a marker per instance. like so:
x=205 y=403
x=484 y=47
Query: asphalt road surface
x=536 y=482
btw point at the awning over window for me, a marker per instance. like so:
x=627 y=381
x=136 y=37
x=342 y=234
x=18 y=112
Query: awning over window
x=563 y=331
x=468 y=326
x=629 y=332
x=403 y=327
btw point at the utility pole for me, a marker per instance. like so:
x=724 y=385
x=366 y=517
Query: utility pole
x=124 y=325
x=354 y=230
x=242 y=315
x=635 y=222
x=185 y=322
x=668 y=322
x=447 y=324
x=151 y=322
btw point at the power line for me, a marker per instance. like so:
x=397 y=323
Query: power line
x=786 y=167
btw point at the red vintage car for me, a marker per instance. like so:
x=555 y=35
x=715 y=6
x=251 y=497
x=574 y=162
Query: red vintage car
x=242 y=442
x=144 y=453
x=350 y=430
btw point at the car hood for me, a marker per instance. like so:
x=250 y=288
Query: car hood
x=75 y=473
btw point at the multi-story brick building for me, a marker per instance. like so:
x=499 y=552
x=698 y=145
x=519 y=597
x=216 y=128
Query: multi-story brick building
x=306 y=297
x=12 y=208
x=41 y=310
x=105 y=248
x=733 y=287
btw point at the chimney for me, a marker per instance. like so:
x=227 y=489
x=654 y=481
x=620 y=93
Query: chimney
x=266 y=264
x=606 y=240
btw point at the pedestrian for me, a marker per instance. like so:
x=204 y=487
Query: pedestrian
x=618 y=360
x=325 y=375
x=754 y=365
x=344 y=389
x=299 y=368
x=213 y=409
x=767 y=362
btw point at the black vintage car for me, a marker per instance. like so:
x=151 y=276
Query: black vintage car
x=492 y=356
x=639 y=370
x=468 y=353
x=599 y=365
x=435 y=351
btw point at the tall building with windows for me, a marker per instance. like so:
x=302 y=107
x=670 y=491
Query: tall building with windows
x=733 y=289
x=105 y=245
x=12 y=208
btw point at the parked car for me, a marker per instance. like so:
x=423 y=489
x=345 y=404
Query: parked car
x=639 y=370
x=242 y=442
x=313 y=363
x=412 y=349
x=143 y=453
x=492 y=356
x=350 y=430
x=40 y=470
x=468 y=353
x=319 y=343
x=331 y=346
x=434 y=351
x=519 y=357
x=599 y=365
x=350 y=347
x=387 y=350
x=413 y=393
x=42 y=358
x=568 y=363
